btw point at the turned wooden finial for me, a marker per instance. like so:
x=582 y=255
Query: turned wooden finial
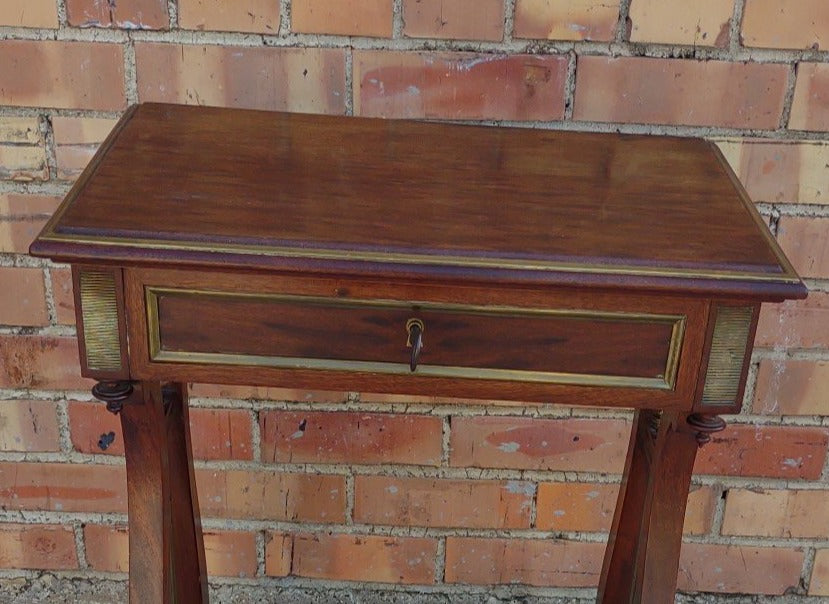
x=705 y=425
x=113 y=394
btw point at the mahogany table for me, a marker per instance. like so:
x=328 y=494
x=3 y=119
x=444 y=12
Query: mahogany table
x=232 y=246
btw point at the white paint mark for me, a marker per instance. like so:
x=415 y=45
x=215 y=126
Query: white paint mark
x=520 y=488
x=510 y=447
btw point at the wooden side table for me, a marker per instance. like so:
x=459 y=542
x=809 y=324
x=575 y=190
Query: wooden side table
x=341 y=253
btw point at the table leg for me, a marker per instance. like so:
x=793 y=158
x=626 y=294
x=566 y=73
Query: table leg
x=642 y=557
x=165 y=541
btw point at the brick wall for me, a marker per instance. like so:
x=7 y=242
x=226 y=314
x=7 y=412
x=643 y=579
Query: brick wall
x=390 y=490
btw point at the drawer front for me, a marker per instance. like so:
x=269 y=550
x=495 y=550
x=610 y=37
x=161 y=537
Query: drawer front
x=480 y=342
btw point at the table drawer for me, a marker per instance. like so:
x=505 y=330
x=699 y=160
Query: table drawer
x=586 y=347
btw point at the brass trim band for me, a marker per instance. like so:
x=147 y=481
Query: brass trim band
x=667 y=381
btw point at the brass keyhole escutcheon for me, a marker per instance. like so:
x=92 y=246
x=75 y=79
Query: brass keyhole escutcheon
x=414 y=331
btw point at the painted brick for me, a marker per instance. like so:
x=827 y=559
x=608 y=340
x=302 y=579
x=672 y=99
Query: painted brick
x=576 y=506
x=700 y=23
x=775 y=451
x=315 y=437
x=29 y=13
x=810 y=105
x=679 y=92
x=738 y=569
x=805 y=242
x=63 y=295
x=459 y=85
x=76 y=140
x=538 y=562
x=786 y=24
x=215 y=433
x=43 y=362
x=789 y=387
x=365 y=558
x=795 y=323
x=819 y=585
x=35 y=546
x=22 y=152
x=254 y=16
x=271 y=496
x=307 y=80
x=585 y=445
x=344 y=17
x=278 y=552
x=73 y=75
x=777 y=513
x=433 y=502
x=780 y=171
x=27 y=425
x=127 y=14
x=22 y=296
x=459 y=19
x=227 y=553
x=265 y=393
x=21 y=218
x=566 y=19
x=62 y=487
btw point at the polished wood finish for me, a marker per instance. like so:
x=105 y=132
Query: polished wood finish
x=279 y=191
x=166 y=550
x=297 y=250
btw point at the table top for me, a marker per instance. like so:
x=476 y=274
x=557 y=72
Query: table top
x=183 y=185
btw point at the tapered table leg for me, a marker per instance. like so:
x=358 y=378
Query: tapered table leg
x=642 y=557
x=165 y=541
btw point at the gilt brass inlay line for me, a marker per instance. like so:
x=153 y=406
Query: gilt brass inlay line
x=667 y=381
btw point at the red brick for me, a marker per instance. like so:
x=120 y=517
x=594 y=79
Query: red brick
x=795 y=323
x=788 y=387
x=128 y=14
x=460 y=19
x=316 y=437
x=271 y=496
x=780 y=171
x=215 y=433
x=786 y=24
x=585 y=445
x=265 y=393
x=431 y=502
x=307 y=80
x=63 y=295
x=739 y=569
x=37 y=546
x=538 y=562
x=22 y=296
x=679 y=92
x=29 y=13
x=792 y=452
x=810 y=105
x=566 y=19
x=343 y=17
x=278 y=552
x=459 y=85
x=700 y=23
x=819 y=585
x=76 y=140
x=227 y=553
x=576 y=506
x=365 y=558
x=255 y=16
x=777 y=513
x=74 y=75
x=21 y=218
x=62 y=487
x=22 y=150
x=42 y=362
x=805 y=240
x=27 y=425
